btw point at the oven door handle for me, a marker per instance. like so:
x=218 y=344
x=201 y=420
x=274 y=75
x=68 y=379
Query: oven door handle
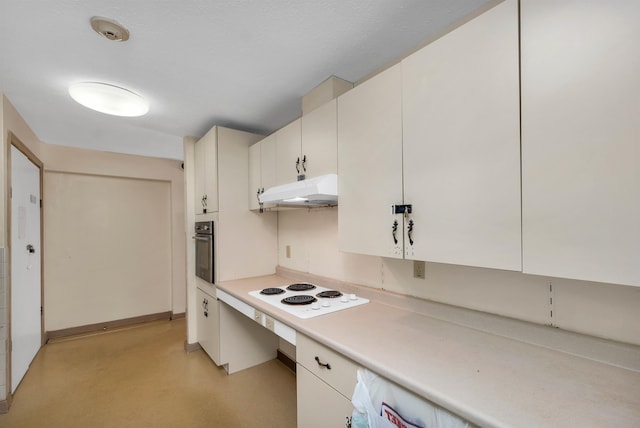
x=202 y=238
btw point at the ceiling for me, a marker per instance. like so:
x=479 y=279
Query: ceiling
x=240 y=64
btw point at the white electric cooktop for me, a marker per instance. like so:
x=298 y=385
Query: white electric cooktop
x=307 y=300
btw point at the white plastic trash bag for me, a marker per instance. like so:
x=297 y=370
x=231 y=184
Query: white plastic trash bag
x=378 y=403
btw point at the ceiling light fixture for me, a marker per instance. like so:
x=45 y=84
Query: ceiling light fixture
x=109 y=99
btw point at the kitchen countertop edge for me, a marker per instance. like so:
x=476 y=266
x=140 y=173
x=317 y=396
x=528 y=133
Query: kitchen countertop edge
x=382 y=364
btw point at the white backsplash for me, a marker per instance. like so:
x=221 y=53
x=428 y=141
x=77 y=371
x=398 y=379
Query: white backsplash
x=603 y=310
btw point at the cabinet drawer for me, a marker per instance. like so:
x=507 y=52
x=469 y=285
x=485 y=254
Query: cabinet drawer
x=342 y=374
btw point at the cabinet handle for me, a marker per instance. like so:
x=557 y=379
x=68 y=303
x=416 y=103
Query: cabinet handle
x=394 y=230
x=304 y=163
x=410 y=232
x=327 y=365
x=258 y=195
x=260 y=192
x=298 y=165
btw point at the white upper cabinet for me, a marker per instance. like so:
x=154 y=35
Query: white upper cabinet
x=255 y=178
x=439 y=132
x=370 y=165
x=206 y=176
x=307 y=147
x=320 y=140
x=289 y=163
x=461 y=144
x=581 y=139
x=262 y=169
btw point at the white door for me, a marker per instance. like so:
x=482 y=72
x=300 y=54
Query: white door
x=26 y=327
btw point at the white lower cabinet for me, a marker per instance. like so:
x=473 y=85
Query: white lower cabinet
x=208 y=324
x=229 y=337
x=325 y=383
x=319 y=405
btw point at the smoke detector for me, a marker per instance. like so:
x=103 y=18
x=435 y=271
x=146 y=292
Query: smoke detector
x=110 y=29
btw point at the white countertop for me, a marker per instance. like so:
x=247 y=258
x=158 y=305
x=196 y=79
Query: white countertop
x=488 y=379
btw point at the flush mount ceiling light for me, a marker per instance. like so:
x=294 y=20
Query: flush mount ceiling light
x=109 y=99
x=110 y=29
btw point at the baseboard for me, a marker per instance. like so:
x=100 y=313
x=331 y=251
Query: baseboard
x=179 y=316
x=4 y=406
x=92 y=328
x=191 y=347
x=286 y=360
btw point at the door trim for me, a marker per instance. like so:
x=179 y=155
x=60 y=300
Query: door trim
x=14 y=141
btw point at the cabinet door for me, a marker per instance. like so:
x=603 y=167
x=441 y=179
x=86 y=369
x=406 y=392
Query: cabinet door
x=319 y=405
x=288 y=153
x=320 y=140
x=370 y=165
x=580 y=139
x=461 y=144
x=207 y=320
x=262 y=169
x=199 y=172
x=255 y=179
x=268 y=161
x=206 y=170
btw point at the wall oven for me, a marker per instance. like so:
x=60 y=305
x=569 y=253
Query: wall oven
x=205 y=251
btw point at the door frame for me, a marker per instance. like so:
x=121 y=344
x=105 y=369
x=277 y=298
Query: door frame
x=14 y=141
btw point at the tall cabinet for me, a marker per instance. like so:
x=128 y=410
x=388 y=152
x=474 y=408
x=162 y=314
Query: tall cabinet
x=245 y=246
x=581 y=139
x=246 y=241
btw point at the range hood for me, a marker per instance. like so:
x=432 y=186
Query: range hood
x=313 y=192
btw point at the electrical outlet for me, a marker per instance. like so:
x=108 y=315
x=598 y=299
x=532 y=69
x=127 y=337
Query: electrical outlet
x=288 y=251
x=257 y=316
x=269 y=323
x=419 y=269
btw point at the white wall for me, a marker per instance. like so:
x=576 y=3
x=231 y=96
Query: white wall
x=95 y=163
x=603 y=310
x=107 y=242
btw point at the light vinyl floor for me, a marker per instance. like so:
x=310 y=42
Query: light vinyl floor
x=142 y=377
